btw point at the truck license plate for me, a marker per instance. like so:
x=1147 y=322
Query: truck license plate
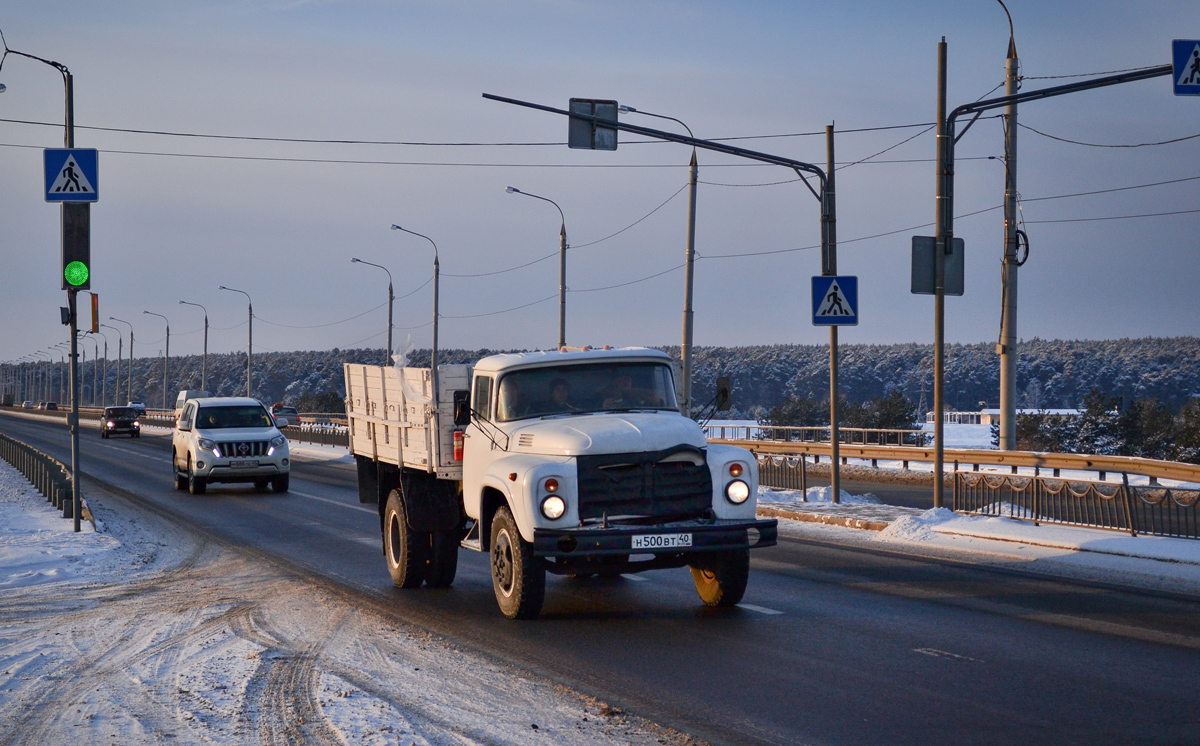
x=242 y=464
x=661 y=541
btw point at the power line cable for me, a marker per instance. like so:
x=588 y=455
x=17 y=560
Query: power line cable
x=631 y=282
x=347 y=141
x=506 y=310
x=1106 y=145
x=1117 y=217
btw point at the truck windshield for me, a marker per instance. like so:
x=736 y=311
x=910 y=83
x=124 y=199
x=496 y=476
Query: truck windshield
x=247 y=416
x=590 y=387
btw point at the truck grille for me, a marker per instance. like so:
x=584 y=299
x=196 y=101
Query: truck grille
x=244 y=448
x=642 y=484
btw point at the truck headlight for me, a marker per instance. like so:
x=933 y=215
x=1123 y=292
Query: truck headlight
x=737 y=492
x=553 y=507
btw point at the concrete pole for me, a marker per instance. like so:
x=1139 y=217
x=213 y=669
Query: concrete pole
x=944 y=239
x=562 y=285
x=830 y=268
x=685 y=349
x=1008 y=317
x=204 y=359
x=387 y=359
x=249 y=345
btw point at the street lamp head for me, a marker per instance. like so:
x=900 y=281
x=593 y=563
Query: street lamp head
x=627 y=109
x=3 y=88
x=396 y=227
x=512 y=190
x=221 y=287
x=354 y=260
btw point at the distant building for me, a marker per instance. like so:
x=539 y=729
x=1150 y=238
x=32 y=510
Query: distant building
x=992 y=416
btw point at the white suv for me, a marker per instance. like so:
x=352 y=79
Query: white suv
x=228 y=439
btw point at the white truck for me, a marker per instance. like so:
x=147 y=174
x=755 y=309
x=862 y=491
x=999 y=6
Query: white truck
x=570 y=462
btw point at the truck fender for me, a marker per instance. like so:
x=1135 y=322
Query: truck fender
x=499 y=477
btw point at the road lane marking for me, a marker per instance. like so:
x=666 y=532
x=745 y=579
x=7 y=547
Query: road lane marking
x=367 y=540
x=759 y=609
x=943 y=654
x=638 y=578
x=160 y=458
x=334 y=502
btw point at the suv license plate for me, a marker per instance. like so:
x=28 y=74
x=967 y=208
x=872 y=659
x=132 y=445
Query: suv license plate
x=242 y=464
x=661 y=541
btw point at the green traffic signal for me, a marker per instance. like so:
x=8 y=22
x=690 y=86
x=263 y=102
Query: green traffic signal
x=76 y=273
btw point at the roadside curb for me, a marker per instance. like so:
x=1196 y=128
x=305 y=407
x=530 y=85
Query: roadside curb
x=830 y=520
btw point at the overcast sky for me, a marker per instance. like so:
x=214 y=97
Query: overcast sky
x=282 y=220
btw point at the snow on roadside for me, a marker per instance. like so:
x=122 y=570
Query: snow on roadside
x=147 y=634
x=38 y=545
x=777 y=497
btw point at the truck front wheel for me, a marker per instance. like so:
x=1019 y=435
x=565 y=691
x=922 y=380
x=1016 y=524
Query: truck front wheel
x=721 y=577
x=517 y=577
x=405 y=551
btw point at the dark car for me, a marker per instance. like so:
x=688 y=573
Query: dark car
x=293 y=416
x=121 y=420
x=52 y=405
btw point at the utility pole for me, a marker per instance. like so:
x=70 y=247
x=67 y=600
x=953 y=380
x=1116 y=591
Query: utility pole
x=204 y=358
x=829 y=267
x=944 y=239
x=685 y=351
x=1008 y=302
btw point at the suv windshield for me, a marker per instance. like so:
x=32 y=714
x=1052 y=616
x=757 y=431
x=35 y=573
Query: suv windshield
x=120 y=412
x=591 y=387
x=244 y=416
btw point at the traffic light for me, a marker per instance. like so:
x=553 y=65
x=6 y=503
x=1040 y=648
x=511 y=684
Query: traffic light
x=76 y=246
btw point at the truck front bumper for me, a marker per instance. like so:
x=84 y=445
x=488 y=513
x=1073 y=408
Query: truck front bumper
x=618 y=539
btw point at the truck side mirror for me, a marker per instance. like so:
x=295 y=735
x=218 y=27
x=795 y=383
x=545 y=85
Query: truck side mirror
x=462 y=408
x=724 y=395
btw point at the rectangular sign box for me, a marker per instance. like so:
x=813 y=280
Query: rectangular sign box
x=923 y=269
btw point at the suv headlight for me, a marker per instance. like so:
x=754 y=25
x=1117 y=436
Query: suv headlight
x=208 y=445
x=737 y=492
x=278 y=441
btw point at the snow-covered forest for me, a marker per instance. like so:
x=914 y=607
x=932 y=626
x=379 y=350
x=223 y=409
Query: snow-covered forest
x=1050 y=373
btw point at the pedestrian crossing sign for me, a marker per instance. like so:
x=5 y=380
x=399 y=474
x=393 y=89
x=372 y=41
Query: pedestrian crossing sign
x=1185 y=56
x=835 y=300
x=72 y=174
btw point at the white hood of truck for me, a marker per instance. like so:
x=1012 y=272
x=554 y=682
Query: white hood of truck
x=589 y=434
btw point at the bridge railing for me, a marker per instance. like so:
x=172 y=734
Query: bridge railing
x=48 y=475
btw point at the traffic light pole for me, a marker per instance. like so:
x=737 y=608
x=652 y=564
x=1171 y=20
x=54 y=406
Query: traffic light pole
x=73 y=304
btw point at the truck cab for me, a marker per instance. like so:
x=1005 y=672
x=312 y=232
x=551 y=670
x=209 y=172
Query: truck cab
x=572 y=463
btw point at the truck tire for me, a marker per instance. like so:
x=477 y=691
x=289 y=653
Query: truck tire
x=443 y=559
x=405 y=550
x=196 y=484
x=281 y=483
x=721 y=577
x=517 y=577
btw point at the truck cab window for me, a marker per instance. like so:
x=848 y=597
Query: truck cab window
x=483 y=396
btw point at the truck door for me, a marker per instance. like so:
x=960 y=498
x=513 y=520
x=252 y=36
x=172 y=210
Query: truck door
x=477 y=446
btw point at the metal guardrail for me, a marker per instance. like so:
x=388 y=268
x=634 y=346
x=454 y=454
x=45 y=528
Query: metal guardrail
x=331 y=436
x=794 y=434
x=1031 y=459
x=1149 y=510
x=48 y=475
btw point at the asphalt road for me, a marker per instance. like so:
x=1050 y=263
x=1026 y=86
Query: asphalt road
x=835 y=645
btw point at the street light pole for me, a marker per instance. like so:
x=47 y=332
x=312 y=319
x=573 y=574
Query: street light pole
x=204 y=359
x=167 y=359
x=387 y=356
x=562 y=266
x=129 y=381
x=250 y=335
x=433 y=370
x=116 y=378
x=95 y=368
x=685 y=347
